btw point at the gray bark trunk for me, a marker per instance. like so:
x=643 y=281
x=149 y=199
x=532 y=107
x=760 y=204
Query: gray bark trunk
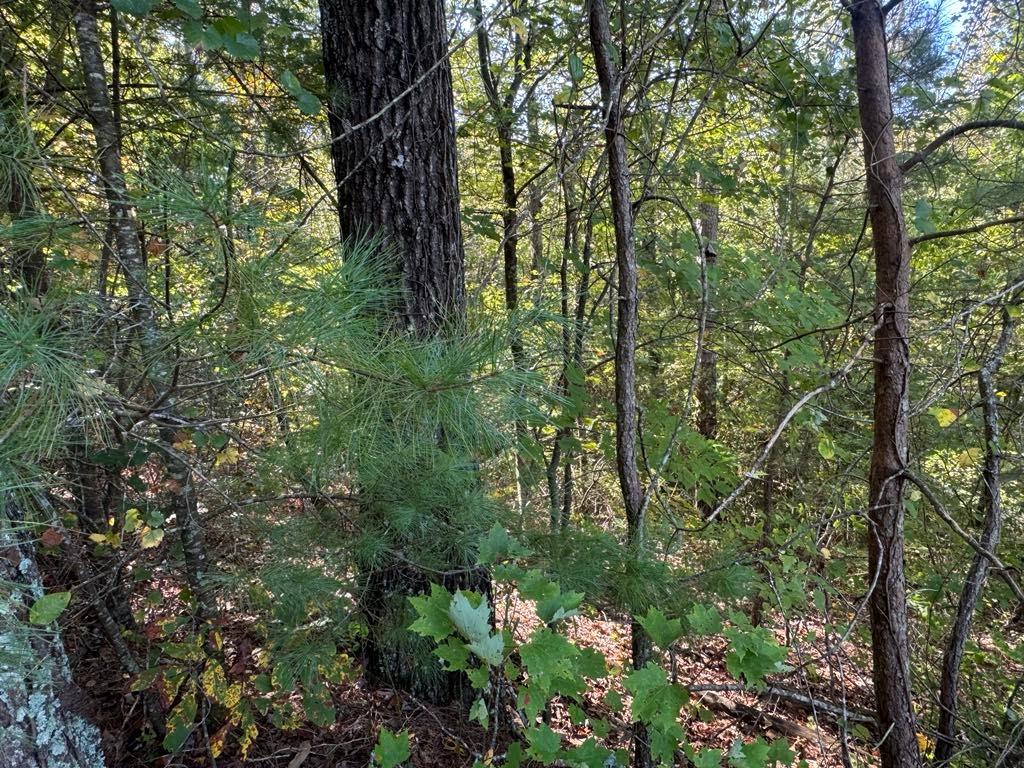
x=626 y=405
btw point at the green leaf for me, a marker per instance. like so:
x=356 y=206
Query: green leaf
x=48 y=607
x=472 y=622
x=433 y=621
x=308 y=103
x=826 y=448
x=589 y=754
x=151 y=537
x=753 y=653
x=190 y=8
x=544 y=743
x=923 y=217
x=134 y=7
x=662 y=631
x=655 y=700
x=179 y=724
x=575 y=67
x=498 y=545
x=242 y=45
x=491 y=649
x=704 y=620
x=706 y=758
x=478 y=712
x=392 y=748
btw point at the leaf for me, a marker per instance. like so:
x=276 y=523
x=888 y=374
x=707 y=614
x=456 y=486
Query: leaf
x=944 y=416
x=704 y=620
x=308 y=103
x=434 y=621
x=753 y=653
x=662 y=631
x=151 y=537
x=134 y=7
x=190 y=8
x=131 y=520
x=478 y=712
x=392 y=748
x=179 y=724
x=655 y=700
x=48 y=607
x=490 y=649
x=544 y=743
x=706 y=758
x=243 y=46
x=473 y=623
x=228 y=456
x=498 y=545
x=575 y=67
x=826 y=448
x=923 y=217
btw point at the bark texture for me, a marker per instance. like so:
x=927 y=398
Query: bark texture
x=888 y=602
x=41 y=722
x=392 y=124
x=992 y=516
x=627 y=322
x=393 y=146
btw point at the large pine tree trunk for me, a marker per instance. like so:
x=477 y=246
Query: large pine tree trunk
x=393 y=128
x=888 y=602
x=393 y=145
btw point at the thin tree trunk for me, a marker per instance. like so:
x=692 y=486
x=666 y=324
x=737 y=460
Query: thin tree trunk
x=128 y=249
x=626 y=405
x=888 y=602
x=991 y=509
x=502 y=112
x=707 y=374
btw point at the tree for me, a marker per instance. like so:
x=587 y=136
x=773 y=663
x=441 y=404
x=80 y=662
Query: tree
x=393 y=147
x=627 y=322
x=890 y=644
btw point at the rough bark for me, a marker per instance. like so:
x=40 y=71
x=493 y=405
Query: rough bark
x=888 y=602
x=392 y=124
x=41 y=722
x=393 y=146
x=992 y=516
x=627 y=322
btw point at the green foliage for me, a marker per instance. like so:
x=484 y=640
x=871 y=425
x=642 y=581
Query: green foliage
x=392 y=748
x=47 y=608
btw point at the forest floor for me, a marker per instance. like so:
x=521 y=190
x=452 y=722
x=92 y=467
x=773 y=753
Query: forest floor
x=443 y=737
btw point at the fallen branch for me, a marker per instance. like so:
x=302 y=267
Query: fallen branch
x=793 y=697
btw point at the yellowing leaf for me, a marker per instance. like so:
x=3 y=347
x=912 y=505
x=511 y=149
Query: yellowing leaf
x=228 y=456
x=944 y=416
x=151 y=537
x=968 y=458
x=99 y=538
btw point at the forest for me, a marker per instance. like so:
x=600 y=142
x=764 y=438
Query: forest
x=513 y=383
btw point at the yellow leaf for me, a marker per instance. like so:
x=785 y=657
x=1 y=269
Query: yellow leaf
x=228 y=456
x=99 y=538
x=944 y=416
x=151 y=537
x=826 y=553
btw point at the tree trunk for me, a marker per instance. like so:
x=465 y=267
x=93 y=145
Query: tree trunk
x=991 y=509
x=626 y=405
x=888 y=602
x=128 y=250
x=707 y=374
x=392 y=123
x=41 y=725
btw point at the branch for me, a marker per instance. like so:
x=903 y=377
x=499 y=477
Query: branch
x=966 y=230
x=975 y=125
x=850 y=714
x=1002 y=569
